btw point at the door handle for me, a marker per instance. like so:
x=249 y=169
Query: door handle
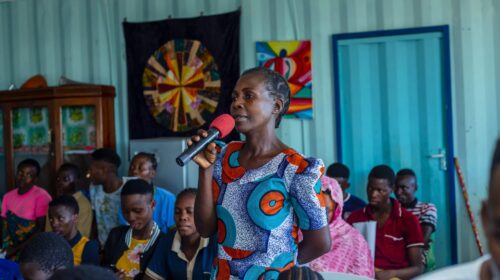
x=441 y=156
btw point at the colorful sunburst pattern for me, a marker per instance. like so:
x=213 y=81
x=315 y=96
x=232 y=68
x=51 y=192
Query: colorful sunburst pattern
x=181 y=85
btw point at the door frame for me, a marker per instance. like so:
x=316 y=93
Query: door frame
x=447 y=98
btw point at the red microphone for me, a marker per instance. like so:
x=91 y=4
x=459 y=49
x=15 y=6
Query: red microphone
x=219 y=128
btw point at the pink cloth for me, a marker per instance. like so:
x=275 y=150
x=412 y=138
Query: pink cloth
x=30 y=206
x=349 y=252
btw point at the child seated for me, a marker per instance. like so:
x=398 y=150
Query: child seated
x=183 y=254
x=128 y=249
x=23 y=208
x=105 y=190
x=349 y=252
x=66 y=179
x=340 y=173
x=43 y=255
x=426 y=213
x=399 y=241
x=143 y=166
x=63 y=218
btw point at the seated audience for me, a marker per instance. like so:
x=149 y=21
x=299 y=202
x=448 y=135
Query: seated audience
x=183 y=253
x=23 y=209
x=63 y=218
x=44 y=254
x=486 y=267
x=340 y=172
x=143 y=166
x=426 y=213
x=399 y=241
x=349 y=252
x=84 y=272
x=128 y=249
x=105 y=190
x=66 y=179
x=299 y=273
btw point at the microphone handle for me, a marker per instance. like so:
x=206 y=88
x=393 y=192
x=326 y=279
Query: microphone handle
x=192 y=151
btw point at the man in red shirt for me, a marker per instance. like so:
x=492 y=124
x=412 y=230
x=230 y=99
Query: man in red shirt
x=399 y=239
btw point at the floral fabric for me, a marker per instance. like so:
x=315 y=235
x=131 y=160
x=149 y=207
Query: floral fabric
x=131 y=258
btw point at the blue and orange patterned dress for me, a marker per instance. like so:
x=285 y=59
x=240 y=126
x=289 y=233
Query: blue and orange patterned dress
x=258 y=210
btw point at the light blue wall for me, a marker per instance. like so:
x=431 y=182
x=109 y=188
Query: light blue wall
x=82 y=39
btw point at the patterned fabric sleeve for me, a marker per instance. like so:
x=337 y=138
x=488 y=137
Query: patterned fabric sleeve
x=219 y=145
x=429 y=215
x=305 y=192
x=6 y=240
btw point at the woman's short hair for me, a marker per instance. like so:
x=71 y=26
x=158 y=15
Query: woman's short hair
x=276 y=85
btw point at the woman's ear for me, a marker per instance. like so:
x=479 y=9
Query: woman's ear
x=278 y=105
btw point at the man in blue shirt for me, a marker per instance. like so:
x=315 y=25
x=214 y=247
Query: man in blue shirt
x=340 y=172
x=143 y=166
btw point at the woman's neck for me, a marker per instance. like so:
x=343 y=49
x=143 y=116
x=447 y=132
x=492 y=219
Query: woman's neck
x=192 y=241
x=382 y=212
x=24 y=189
x=144 y=233
x=189 y=245
x=259 y=150
x=262 y=144
x=112 y=184
x=72 y=234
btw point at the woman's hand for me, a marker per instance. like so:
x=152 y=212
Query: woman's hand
x=120 y=274
x=206 y=157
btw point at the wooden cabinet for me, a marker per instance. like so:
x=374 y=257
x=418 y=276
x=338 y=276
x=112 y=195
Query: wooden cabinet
x=53 y=125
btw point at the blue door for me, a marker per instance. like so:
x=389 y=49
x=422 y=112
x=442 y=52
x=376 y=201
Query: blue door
x=393 y=106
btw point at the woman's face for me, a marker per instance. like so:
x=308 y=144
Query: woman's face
x=142 y=168
x=65 y=182
x=138 y=210
x=26 y=177
x=252 y=105
x=183 y=215
x=63 y=221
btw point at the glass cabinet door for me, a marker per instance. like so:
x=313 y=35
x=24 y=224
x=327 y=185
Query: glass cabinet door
x=79 y=136
x=31 y=139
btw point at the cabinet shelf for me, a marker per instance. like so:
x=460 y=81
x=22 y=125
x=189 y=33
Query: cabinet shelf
x=69 y=120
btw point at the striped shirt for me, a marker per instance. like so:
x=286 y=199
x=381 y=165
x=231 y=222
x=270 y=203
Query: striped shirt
x=426 y=213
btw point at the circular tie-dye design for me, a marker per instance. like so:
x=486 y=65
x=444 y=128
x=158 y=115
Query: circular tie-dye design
x=181 y=85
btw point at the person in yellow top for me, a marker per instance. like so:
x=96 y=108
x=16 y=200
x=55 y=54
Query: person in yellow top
x=67 y=177
x=128 y=249
x=63 y=219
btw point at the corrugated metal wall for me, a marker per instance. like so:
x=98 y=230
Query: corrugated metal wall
x=82 y=39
